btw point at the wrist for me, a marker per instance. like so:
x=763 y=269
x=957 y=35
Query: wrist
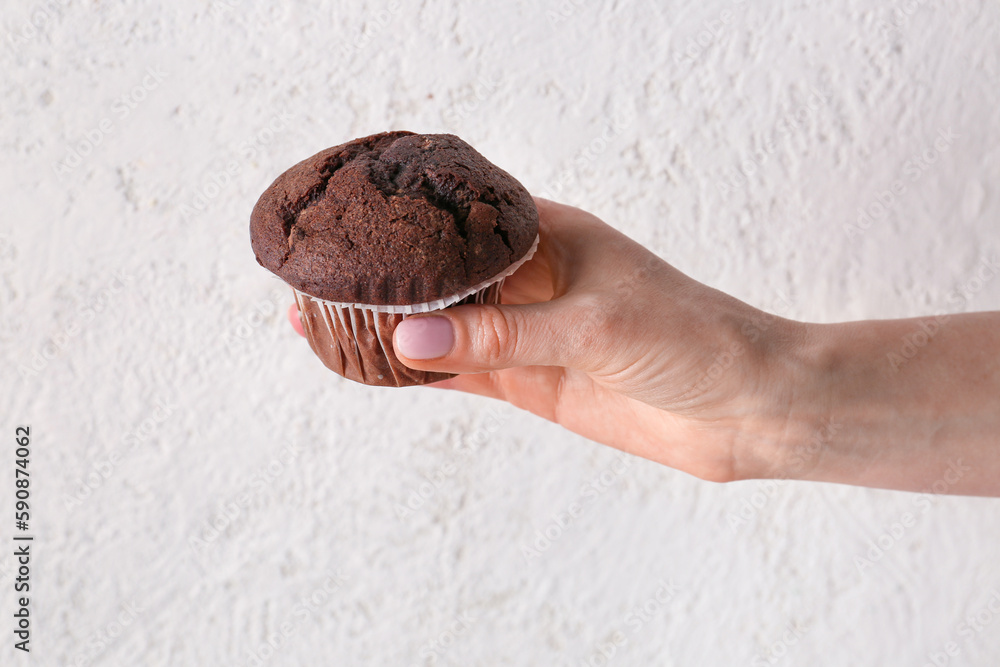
x=848 y=420
x=790 y=421
x=856 y=416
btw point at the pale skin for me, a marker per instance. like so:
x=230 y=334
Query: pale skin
x=598 y=334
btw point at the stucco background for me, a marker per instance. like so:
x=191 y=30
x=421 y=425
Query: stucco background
x=204 y=489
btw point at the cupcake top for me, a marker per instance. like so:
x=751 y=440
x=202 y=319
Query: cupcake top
x=392 y=219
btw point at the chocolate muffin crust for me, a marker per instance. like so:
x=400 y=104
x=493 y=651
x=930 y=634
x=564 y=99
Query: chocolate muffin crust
x=392 y=219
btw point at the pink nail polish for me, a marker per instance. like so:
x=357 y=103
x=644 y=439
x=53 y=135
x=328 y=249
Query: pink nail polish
x=424 y=337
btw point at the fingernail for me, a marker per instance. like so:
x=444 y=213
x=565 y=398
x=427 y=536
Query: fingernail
x=424 y=337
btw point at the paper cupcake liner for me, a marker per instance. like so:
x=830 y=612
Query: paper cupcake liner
x=355 y=340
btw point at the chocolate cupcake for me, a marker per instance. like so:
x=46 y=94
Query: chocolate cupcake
x=382 y=227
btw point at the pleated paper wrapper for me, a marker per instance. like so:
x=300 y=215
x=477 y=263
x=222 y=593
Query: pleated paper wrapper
x=355 y=340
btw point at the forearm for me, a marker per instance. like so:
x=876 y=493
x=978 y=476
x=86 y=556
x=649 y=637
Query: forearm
x=905 y=404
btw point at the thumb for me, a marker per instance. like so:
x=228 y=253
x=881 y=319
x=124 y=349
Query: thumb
x=475 y=338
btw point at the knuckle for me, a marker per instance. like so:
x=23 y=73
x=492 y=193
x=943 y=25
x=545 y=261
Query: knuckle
x=496 y=336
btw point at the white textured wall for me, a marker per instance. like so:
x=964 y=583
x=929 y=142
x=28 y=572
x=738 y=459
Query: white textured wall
x=159 y=366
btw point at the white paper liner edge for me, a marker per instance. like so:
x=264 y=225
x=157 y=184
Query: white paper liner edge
x=428 y=306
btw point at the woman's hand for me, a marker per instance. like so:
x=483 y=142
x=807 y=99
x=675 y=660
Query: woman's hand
x=600 y=335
